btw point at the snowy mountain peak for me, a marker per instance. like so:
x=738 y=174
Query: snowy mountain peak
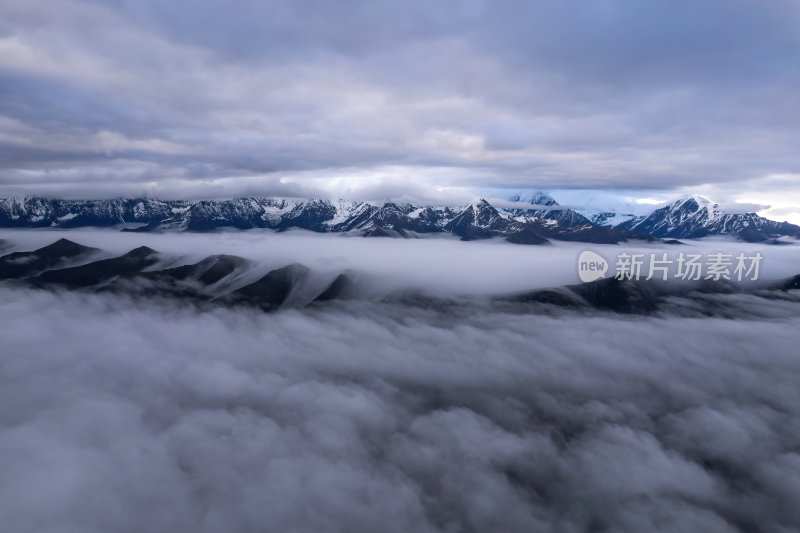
x=697 y=207
x=691 y=200
x=694 y=216
x=533 y=197
x=537 y=205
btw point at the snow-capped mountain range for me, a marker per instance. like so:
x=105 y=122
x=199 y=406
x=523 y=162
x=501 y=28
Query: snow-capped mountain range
x=528 y=217
x=693 y=217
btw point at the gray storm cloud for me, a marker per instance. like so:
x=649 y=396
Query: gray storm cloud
x=102 y=98
x=128 y=416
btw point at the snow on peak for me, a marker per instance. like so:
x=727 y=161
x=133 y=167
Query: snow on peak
x=711 y=210
x=701 y=201
x=533 y=197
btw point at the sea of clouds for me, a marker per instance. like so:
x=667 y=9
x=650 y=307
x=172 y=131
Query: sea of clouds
x=120 y=415
x=439 y=264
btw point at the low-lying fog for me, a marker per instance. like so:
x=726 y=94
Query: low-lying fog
x=358 y=417
x=132 y=415
x=435 y=263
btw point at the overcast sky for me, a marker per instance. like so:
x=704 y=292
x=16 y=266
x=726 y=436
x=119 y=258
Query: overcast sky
x=402 y=98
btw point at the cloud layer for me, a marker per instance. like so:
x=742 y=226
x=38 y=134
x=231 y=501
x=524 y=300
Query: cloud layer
x=123 y=416
x=444 y=266
x=359 y=99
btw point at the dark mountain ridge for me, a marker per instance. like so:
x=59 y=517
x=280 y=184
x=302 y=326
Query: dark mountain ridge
x=235 y=281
